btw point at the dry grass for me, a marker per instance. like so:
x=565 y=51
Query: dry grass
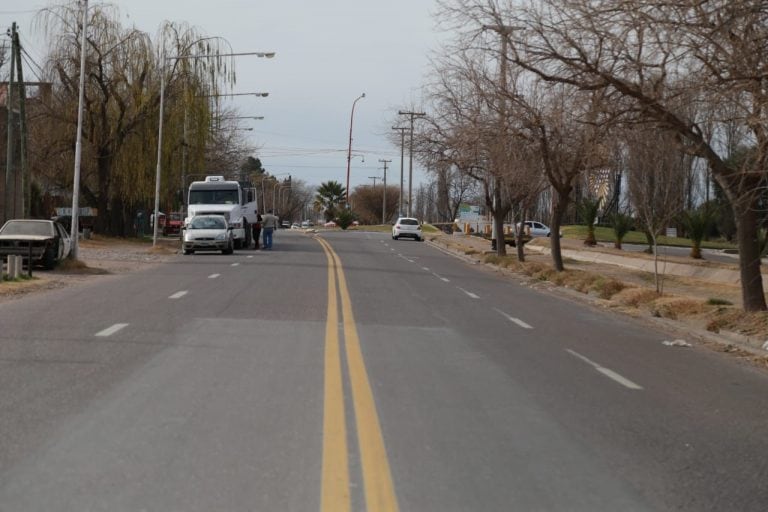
x=72 y=266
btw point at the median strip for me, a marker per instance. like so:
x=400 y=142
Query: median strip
x=377 y=478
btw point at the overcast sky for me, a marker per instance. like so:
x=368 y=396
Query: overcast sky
x=328 y=53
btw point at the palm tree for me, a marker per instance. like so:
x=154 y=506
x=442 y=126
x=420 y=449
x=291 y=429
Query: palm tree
x=328 y=197
x=588 y=209
x=622 y=224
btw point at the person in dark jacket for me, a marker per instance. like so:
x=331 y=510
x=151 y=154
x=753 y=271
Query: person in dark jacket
x=256 y=227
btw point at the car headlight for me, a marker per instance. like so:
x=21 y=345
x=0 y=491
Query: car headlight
x=221 y=236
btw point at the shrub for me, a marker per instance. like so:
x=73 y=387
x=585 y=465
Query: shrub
x=714 y=301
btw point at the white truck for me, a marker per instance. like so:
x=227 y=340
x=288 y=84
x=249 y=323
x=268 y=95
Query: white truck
x=217 y=195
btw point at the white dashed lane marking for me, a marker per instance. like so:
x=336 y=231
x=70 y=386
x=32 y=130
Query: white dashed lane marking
x=213 y=276
x=109 y=331
x=178 y=295
x=514 y=320
x=468 y=293
x=235 y=265
x=443 y=279
x=425 y=269
x=606 y=371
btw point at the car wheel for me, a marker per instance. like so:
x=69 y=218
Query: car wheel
x=49 y=258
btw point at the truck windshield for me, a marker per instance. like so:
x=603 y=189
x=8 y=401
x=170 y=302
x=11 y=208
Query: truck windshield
x=213 y=196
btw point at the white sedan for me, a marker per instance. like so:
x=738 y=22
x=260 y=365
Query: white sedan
x=207 y=233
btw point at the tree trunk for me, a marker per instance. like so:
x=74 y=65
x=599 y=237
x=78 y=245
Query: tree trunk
x=498 y=231
x=561 y=203
x=752 y=294
x=696 y=250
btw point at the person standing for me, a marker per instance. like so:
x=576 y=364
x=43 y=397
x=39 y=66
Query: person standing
x=256 y=229
x=268 y=226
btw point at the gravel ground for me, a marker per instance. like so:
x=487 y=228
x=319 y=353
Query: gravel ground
x=101 y=257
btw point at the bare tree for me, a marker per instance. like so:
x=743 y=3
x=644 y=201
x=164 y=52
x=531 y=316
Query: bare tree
x=656 y=176
x=652 y=53
x=121 y=105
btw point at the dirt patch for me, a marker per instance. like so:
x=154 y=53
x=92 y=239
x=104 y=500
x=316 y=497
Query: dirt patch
x=96 y=257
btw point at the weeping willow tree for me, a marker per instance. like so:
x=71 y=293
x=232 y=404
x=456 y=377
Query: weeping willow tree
x=121 y=108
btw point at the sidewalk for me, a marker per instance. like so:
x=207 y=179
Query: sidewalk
x=575 y=249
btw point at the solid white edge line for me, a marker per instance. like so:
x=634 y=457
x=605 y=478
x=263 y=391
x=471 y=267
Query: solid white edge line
x=213 y=276
x=178 y=295
x=109 y=331
x=606 y=371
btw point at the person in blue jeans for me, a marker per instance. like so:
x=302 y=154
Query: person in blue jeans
x=268 y=227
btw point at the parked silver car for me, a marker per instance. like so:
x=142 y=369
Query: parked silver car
x=47 y=239
x=207 y=233
x=536 y=229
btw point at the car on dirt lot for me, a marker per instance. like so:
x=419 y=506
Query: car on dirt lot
x=207 y=233
x=407 y=227
x=48 y=241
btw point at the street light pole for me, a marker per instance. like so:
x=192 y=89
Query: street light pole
x=349 y=149
x=412 y=115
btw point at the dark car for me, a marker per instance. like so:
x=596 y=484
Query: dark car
x=47 y=240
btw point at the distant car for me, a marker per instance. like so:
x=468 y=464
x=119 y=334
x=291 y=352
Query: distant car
x=330 y=224
x=295 y=225
x=48 y=239
x=407 y=227
x=207 y=233
x=285 y=224
x=536 y=229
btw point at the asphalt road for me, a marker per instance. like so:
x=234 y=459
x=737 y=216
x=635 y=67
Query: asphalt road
x=354 y=372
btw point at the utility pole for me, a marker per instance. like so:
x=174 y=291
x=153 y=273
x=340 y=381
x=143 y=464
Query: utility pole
x=9 y=213
x=412 y=115
x=73 y=253
x=26 y=198
x=384 y=194
x=402 y=130
x=374 y=178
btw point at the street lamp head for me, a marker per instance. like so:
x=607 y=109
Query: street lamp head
x=362 y=95
x=268 y=55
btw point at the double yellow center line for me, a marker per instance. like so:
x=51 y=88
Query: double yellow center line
x=377 y=478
